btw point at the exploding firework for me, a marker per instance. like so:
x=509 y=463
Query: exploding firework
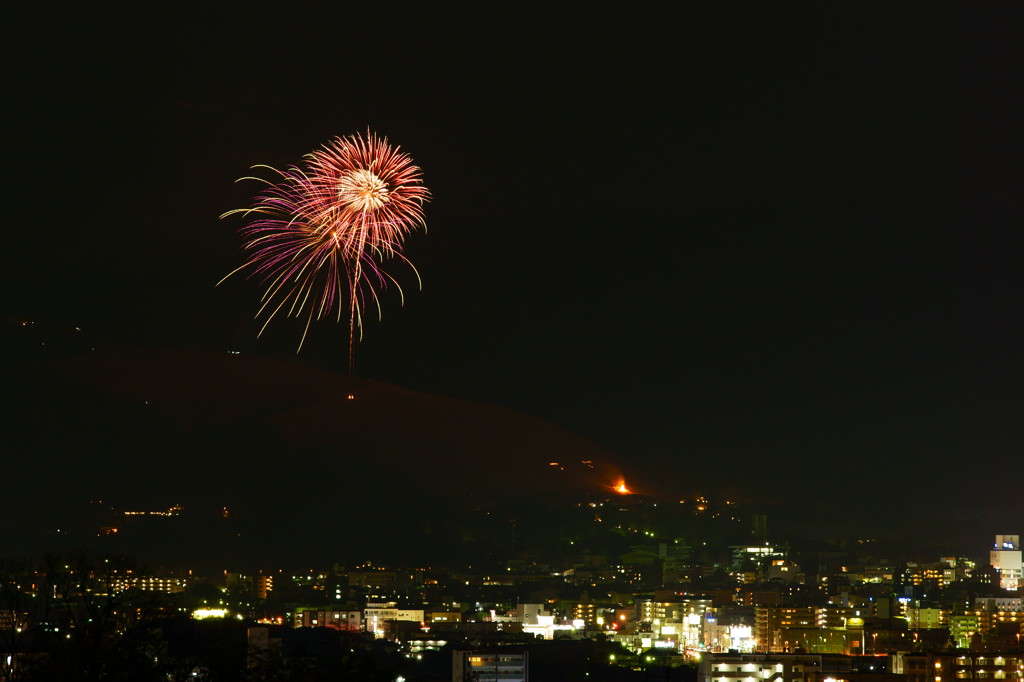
x=320 y=235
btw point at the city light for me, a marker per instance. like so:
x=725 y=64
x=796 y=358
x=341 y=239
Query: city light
x=201 y=614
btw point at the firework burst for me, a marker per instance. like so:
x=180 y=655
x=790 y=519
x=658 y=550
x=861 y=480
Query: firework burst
x=319 y=236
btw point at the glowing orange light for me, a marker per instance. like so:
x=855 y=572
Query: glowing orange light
x=621 y=487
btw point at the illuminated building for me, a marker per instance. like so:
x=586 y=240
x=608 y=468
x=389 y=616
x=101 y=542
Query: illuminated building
x=651 y=611
x=918 y=667
x=954 y=569
x=585 y=613
x=1005 y=557
x=976 y=665
x=962 y=666
x=11 y=620
x=756 y=555
x=833 y=616
x=888 y=607
x=870 y=573
x=997 y=617
x=150 y=584
x=385 y=580
x=999 y=603
x=346 y=621
x=771 y=621
x=376 y=615
x=733 y=667
x=420 y=643
x=530 y=614
x=535 y=620
x=264 y=584
x=685 y=623
x=727 y=628
x=507 y=665
x=780 y=569
x=444 y=617
x=813 y=640
x=925 y=618
x=203 y=614
x=937 y=574
x=963 y=628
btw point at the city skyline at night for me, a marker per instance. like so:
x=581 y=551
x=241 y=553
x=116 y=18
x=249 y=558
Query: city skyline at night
x=714 y=345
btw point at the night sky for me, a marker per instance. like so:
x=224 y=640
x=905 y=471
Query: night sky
x=751 y=238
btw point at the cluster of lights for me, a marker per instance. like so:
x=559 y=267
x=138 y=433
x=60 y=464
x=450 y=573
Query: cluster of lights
x=150 y=584
x=172 y=511
x=203 y=614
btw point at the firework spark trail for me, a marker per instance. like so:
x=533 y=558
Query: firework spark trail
x=325 y=229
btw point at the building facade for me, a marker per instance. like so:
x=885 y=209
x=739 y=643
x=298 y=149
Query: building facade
x=504 y=665
x=1005 y=557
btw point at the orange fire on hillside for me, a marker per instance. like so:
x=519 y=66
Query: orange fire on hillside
x=621 y=488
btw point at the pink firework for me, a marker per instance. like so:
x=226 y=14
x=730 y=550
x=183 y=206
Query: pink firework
x=319 y=236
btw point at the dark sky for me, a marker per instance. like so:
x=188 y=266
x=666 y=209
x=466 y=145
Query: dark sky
x=724 y=234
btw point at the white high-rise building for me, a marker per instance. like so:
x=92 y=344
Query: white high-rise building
x=1005 y=557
